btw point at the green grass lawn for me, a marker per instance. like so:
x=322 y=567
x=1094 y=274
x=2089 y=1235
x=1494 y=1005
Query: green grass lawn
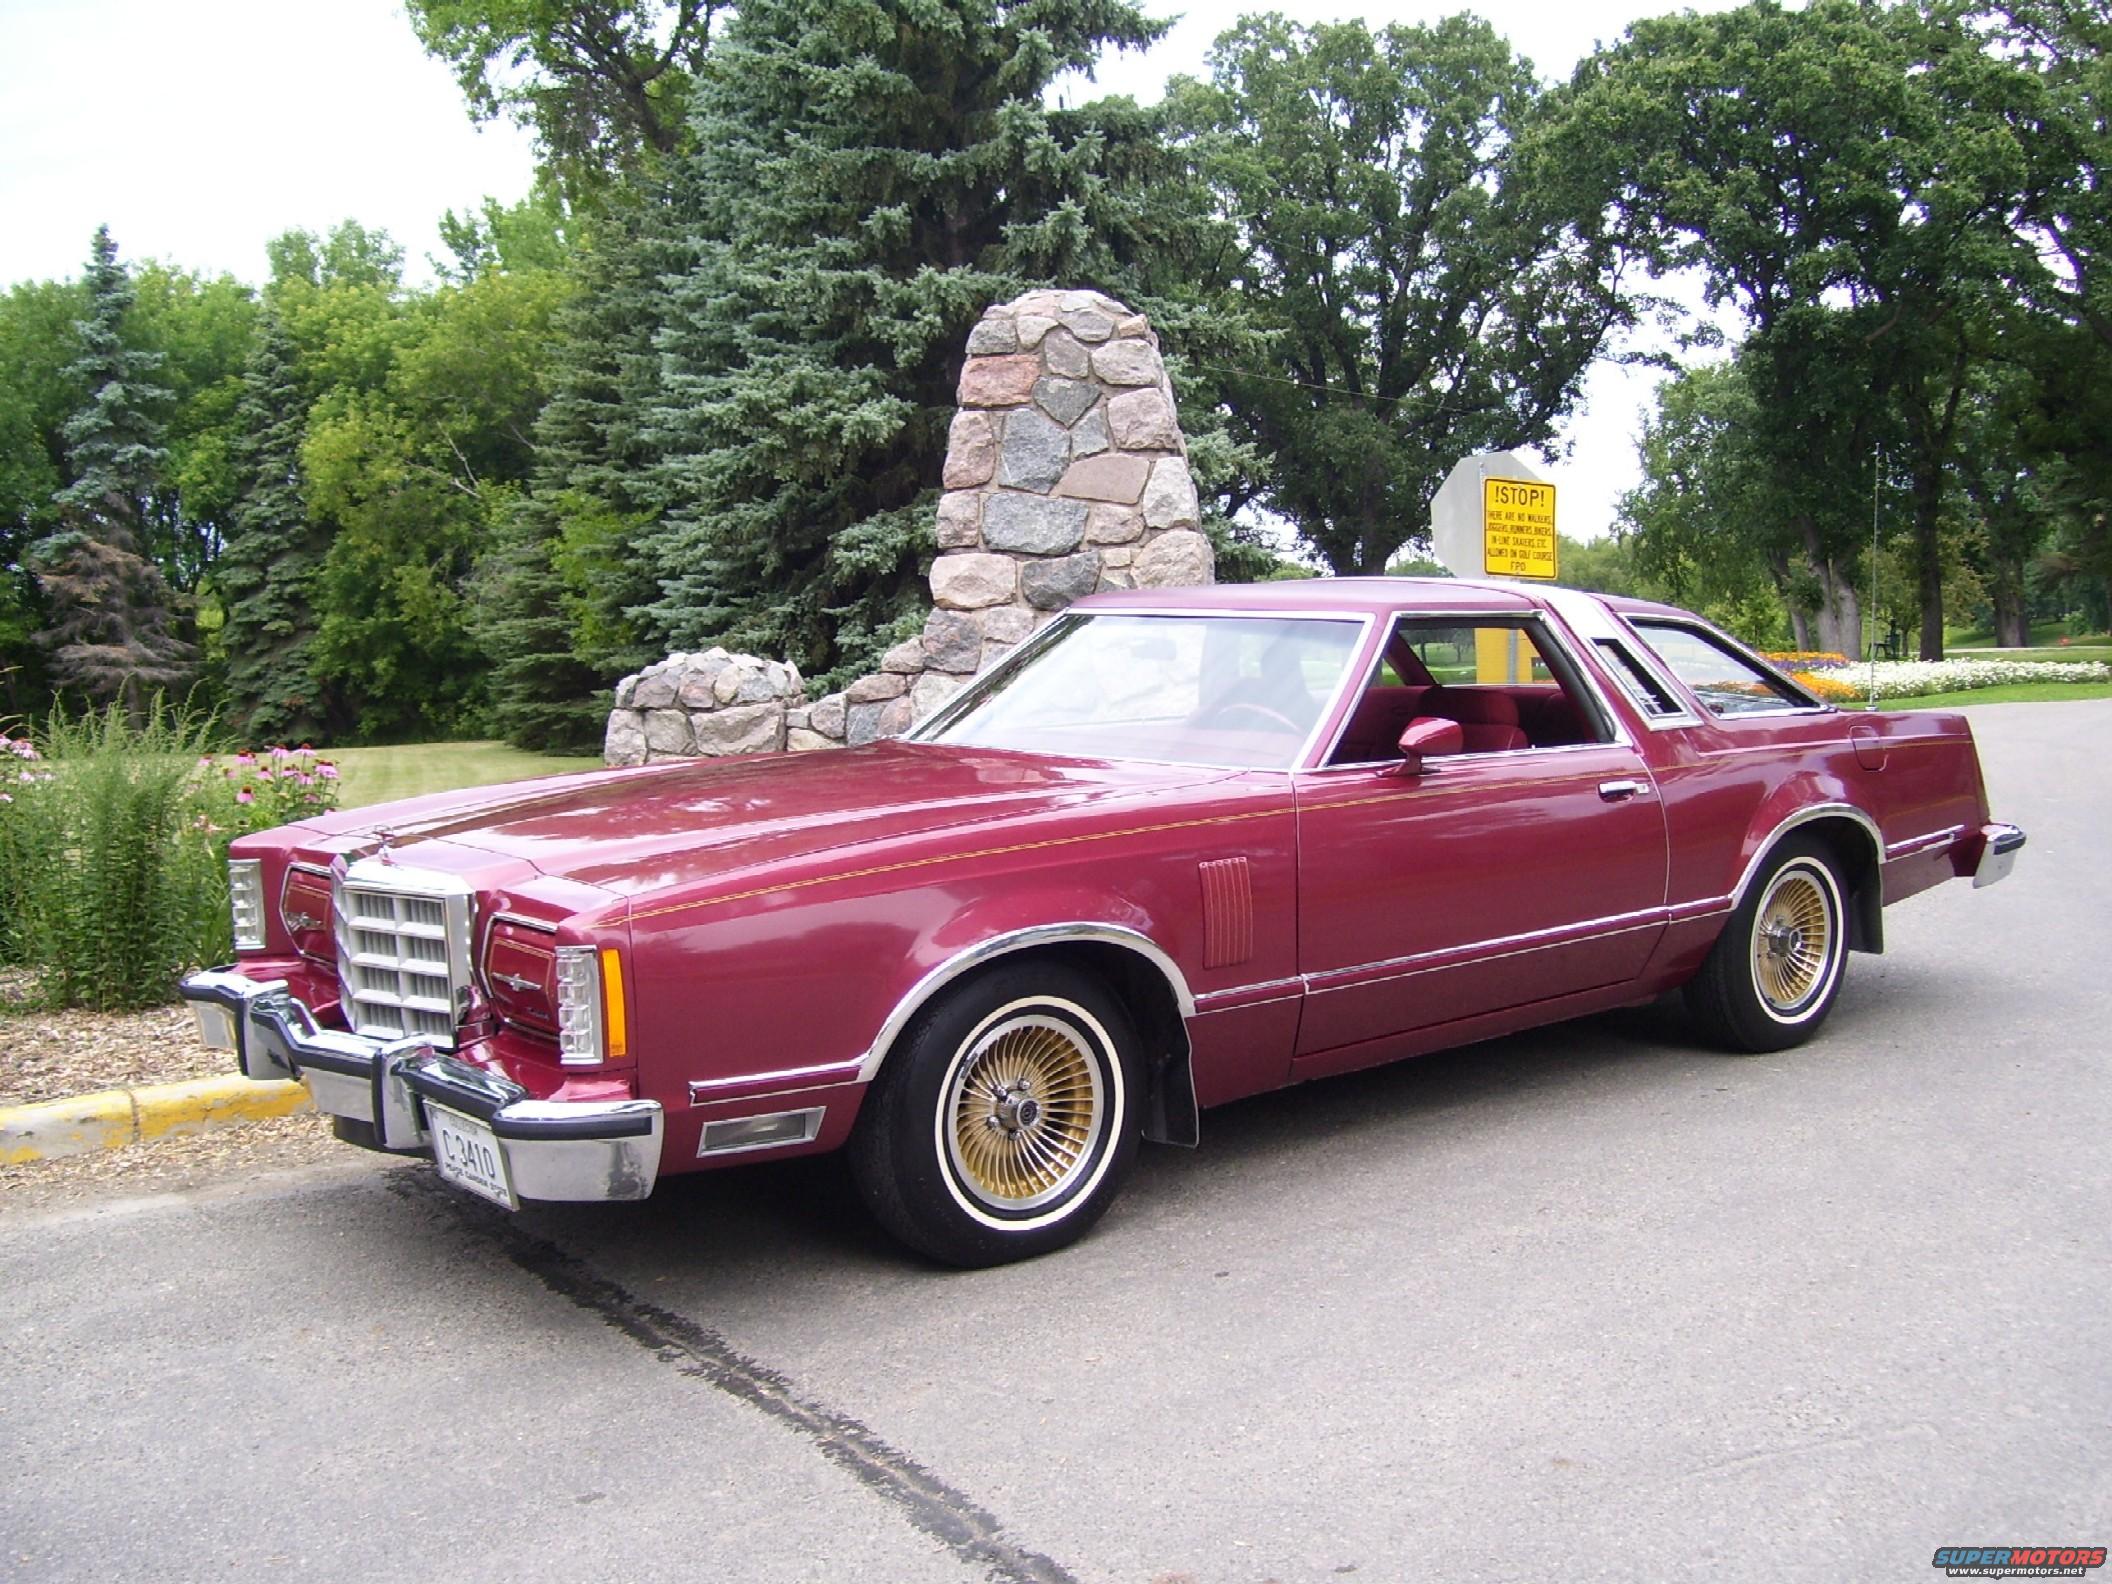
x=2043 y=634
x=381 y=775
x=2013 y=693
x=2036 y=656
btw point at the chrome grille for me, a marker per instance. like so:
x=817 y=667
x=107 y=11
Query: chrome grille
x=402 y=950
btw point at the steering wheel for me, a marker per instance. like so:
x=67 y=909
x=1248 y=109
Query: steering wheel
x=1274 y=718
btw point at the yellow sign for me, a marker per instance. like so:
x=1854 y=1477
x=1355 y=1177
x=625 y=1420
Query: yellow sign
x=1518 y=529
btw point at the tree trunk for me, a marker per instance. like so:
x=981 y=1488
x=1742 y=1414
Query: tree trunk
x=1928 y=554
x=2012 y=619
x=1838 y=627
x=1799 y=630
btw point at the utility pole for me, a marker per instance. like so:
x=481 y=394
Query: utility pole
x=1877 y=472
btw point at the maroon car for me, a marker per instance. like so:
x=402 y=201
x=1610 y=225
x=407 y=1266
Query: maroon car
x=1177 y=849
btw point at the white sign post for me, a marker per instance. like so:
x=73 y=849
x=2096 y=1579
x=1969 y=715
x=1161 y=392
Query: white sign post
x=1495 y=517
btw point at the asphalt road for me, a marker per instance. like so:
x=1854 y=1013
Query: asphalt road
x=1586 y=1304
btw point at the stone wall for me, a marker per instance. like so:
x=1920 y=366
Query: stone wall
x=702 y=706
x=1066 y=473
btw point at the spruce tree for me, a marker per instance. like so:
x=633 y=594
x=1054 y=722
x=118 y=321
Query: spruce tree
x=265 y=573
x=110 y=627
x=867 y=176
x=556 y=591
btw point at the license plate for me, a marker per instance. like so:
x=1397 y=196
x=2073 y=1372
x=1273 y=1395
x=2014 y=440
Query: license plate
x=467 y=1153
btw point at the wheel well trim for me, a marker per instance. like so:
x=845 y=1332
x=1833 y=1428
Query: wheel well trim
x=1807 y=816
x=1007 y=944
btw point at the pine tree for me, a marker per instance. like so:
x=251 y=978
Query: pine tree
x=265 y=573
x=556 y=590
x=868 y=175
x=111 y=626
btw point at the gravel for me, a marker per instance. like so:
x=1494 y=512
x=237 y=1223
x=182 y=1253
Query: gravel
x=46 y=1055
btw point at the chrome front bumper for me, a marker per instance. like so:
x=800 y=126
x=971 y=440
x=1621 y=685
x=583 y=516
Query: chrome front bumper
x=554 y=1149
x=1998 y=855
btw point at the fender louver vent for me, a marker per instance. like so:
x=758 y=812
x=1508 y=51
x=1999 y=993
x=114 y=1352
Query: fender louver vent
x=1228 y=912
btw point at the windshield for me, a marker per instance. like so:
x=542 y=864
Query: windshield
x=1244 y=691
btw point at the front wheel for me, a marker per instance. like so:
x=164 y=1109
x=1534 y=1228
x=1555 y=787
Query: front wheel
x=1003 y=1124
x=1771 y=977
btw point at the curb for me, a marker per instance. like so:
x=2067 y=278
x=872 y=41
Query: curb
x=114 y=1118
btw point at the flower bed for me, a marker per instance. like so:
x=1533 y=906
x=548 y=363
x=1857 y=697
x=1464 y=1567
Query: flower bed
x=113 y=849
x=1897 y=679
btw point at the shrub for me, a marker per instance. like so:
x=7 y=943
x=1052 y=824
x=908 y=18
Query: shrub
x=114 y=847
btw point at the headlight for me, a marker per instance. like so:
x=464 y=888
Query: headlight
x=245 y=902
x=590 y=1011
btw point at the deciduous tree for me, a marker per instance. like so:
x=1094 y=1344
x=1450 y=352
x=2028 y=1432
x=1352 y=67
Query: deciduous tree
x=1420 y=300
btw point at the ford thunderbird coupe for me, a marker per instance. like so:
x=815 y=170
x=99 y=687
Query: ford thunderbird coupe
x=1175 y=849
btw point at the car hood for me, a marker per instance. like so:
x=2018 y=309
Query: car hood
x=628 y=832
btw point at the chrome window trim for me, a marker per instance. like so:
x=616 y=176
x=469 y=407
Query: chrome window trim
x=1555 y=630
x=1004 y=945
x=1437 y=762
x=1695 y=627
x=1034 y=643
x=1645 y=661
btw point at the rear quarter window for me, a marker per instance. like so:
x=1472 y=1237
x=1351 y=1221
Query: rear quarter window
x=1726 y=682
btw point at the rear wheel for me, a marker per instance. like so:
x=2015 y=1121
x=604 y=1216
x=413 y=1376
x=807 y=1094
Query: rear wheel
x=1003 y=1124
x=1772 y=975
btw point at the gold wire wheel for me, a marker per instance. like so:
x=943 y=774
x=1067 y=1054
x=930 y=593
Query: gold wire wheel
x=1025 y=1110
x=1793 y=941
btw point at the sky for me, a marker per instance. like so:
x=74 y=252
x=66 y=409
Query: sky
x=199 y=129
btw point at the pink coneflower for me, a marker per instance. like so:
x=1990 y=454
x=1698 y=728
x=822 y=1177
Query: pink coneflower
x=245 y=796
x=327 y=770
x=245 y=758
x=205 y=761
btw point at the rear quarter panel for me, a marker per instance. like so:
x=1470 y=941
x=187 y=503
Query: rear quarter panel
x=1732 y=787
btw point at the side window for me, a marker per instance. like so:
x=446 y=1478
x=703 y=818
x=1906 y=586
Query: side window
x=1649 y=695
x=1506 y=683
x=1727 y=683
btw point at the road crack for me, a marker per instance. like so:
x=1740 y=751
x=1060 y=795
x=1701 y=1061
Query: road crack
x=932 y=1506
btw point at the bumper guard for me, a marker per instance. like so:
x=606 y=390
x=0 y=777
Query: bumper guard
x=554 y=1149
x=1998 y=855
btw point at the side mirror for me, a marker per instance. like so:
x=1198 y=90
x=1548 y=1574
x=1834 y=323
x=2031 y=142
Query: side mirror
x=1424 y=736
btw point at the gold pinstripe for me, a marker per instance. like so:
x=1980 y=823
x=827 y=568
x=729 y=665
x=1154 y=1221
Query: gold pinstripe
x=1012 y=848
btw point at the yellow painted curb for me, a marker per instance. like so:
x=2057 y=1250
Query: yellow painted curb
x=114 y=1118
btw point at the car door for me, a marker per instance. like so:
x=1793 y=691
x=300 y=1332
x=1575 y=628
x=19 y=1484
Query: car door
x=1521 y=870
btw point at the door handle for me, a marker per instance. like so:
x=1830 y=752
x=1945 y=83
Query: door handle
x=1615 y=791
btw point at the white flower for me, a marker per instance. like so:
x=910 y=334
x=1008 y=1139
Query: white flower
x=1918 y=678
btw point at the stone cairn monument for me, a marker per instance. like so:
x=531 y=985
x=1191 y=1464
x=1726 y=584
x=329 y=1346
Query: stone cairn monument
x=1066 y=473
